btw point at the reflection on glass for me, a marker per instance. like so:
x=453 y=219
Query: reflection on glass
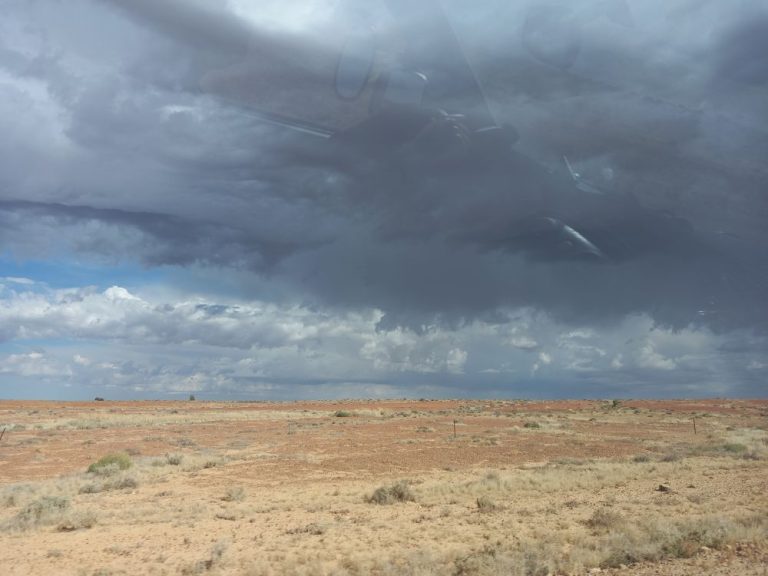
x=354 y=67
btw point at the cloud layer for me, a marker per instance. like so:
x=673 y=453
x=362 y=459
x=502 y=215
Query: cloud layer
x=133 y=345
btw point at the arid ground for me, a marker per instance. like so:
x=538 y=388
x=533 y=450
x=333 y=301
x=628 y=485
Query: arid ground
x=384 y=487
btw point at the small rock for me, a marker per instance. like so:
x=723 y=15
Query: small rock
x=663 y=488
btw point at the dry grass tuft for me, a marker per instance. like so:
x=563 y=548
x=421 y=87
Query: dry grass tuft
x=234 y=494
x=485 y=561
x=77 y=521
x=213 y=562
x=485 y=504
x=605 y=519
x=174 y=459
x=45 y=510
x=397 y=492
x=124 y=482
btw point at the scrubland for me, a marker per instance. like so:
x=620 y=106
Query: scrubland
x=384 y=487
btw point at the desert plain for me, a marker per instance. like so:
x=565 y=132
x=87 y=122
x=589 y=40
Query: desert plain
x=459 y=487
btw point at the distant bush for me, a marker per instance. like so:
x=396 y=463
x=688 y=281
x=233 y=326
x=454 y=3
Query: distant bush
x=110 y=464
x=342 y=414
x=397 y=492
x=191 y=397
x=532 y=425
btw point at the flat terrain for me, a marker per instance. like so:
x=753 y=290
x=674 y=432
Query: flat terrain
x=384 y=487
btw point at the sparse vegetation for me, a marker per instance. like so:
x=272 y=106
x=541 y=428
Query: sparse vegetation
x=733 y=448
x=313 y=529
x=485 y=561
x=671 y=457
x=342 y=414
x=495 y=500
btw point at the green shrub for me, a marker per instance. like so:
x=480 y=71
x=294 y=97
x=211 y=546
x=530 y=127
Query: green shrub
x=110 y=463
x=534 y=425
x=342 y=414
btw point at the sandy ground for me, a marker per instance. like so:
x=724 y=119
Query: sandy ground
x=488 y=487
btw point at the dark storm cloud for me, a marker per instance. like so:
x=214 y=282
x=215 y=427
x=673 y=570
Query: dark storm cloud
x=200 y=24
x=740 y=54
x=201 y=182
x=161 y=239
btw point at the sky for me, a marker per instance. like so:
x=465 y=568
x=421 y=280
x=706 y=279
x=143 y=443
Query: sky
x=160 y=239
